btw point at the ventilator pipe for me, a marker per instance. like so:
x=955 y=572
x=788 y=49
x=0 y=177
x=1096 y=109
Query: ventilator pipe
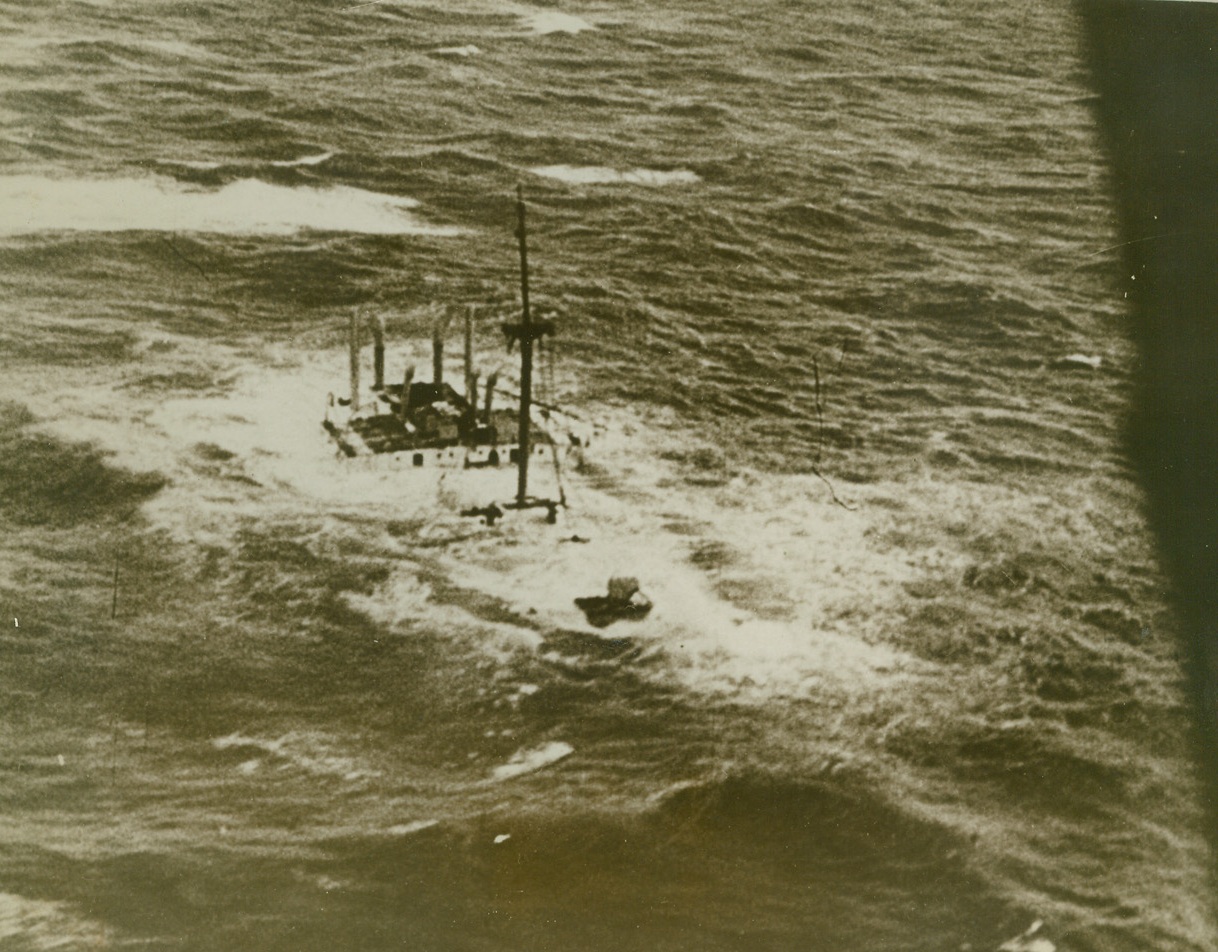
x=490 y=395
x=378 y=352
x=470 y=394
x=354 y=342
x=404 y=404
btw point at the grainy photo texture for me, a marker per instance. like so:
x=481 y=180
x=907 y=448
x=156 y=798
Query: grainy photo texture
x=605 y=476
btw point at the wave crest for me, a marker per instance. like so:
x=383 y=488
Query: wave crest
x=244 y=207
x=603 y=175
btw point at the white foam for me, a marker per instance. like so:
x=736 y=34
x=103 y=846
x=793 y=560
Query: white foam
x=201 y=165
x=298 y=750
x=211 y=165
x=1081 y=360
x=469 y=50
x=527 y=761
x=789 y=540
x=603 y=175
x=545 y=22
x=1029 y=941
x=37 y=924
x=306 y=160
x=405 y=829
x=32 y=203
x=801 y=601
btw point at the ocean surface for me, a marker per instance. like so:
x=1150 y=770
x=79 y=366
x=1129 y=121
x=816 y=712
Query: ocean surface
x=836 y=288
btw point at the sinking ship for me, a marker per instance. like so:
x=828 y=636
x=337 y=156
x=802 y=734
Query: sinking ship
x=432 y=424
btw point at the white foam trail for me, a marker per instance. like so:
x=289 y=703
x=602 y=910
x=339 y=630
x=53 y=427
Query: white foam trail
x=469 y=50
x=526 y=761
x=546 y=22
x=802 y=571
x=32 y=203
x=788 y=536
x=602 y=175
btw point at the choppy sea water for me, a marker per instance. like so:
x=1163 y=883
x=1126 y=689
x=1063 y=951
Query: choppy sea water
x=257 y=697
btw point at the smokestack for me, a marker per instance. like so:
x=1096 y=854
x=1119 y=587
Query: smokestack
x=353 y=340
x=490 y=395
x=404 y=405
x=437 y=358
x=378 y=352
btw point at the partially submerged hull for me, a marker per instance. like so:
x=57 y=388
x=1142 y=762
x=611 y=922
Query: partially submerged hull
x=439 y=427
x=420 y=424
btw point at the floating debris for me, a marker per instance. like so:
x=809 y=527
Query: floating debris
x=624 y=602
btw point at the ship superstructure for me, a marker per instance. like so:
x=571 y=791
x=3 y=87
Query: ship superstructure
x=431 y=423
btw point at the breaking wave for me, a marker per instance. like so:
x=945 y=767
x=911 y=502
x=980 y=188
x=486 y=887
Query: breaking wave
x=247 y=207
x=46 y=481
x=545 y=22
x=603 y=175
x=527 y=761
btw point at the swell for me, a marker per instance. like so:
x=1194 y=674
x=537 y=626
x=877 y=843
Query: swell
x=700 y=858
x=46 y=481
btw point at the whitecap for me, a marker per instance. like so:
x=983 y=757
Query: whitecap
x=527 y=761
x=35 y=203
x=197 y=164
x=306 y=160
x=415 y=826
x=603 y=175
x=1029 y=941
x=206 y=165
x=469 y=50
x=295 y=750
x=1074 y=361
x=546 y=22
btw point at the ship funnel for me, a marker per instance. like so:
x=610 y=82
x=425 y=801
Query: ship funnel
x=437 y=358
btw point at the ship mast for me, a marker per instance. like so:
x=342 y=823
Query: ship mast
x=526 y=331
